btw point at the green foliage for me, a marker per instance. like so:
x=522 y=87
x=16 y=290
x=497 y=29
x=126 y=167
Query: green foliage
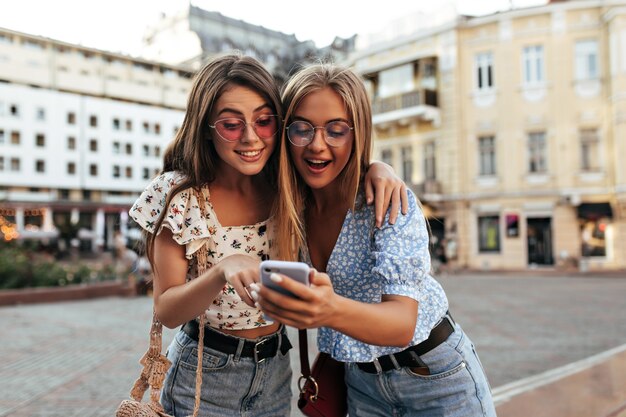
x=22 y=267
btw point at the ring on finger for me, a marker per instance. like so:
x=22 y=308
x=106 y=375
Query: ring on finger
x=247 y=292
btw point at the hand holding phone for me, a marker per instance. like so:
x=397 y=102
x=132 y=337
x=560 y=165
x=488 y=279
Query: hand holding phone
x=298 y=271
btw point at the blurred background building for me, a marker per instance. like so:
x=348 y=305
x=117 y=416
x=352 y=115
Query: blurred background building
x=509 y=127
x=82 y=130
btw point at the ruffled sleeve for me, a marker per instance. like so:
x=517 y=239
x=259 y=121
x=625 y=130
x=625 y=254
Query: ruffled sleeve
x=401 y=253
x=182 y=215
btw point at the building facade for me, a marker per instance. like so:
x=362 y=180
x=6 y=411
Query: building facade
x=512 y=129
x=193 y=35
x=82 y=131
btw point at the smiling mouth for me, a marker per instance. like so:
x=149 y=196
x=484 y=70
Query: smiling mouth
x=316 y=163
x=250 y=154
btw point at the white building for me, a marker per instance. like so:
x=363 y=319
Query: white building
x=82 y=131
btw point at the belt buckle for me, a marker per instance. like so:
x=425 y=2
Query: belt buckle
x=256 y=352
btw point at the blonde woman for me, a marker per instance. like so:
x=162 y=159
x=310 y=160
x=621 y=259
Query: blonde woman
x=377 y=307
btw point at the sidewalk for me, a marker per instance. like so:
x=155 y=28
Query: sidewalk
x=593 y=387
x=540 y=340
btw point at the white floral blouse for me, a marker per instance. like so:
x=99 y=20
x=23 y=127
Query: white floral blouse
x=183 y=217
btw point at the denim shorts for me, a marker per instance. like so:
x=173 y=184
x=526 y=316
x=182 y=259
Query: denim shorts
x=231 y=386
x=456 y=387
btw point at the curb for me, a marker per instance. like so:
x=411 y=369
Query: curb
x=66 y=293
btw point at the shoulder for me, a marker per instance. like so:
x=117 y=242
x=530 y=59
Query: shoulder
x=165 y=182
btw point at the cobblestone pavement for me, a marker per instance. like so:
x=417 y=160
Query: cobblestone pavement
x=81 y=358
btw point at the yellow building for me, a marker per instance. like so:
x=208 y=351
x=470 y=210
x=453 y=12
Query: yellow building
x=511 y=128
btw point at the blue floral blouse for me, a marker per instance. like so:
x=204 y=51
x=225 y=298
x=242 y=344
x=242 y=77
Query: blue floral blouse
x=368 y=262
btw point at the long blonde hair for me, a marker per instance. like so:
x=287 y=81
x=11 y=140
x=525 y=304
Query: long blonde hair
x=191 y=152
x=289 y=209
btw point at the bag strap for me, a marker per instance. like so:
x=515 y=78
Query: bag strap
x=201 y=266
x=305 y=369
x=155 y=364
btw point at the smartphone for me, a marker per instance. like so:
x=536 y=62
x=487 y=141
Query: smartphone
x=298 y=271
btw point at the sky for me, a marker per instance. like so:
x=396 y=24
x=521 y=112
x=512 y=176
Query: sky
x=119 y=25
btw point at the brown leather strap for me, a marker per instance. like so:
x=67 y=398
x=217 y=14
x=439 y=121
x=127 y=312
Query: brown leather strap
x=305 y=368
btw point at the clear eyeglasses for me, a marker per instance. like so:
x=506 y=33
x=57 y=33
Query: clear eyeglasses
x=231 y=129
x=301 y=133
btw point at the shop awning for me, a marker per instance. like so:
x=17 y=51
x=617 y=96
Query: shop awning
x=594 y=211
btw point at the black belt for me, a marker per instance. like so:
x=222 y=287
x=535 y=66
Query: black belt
x=260 y=349
x=410 y=357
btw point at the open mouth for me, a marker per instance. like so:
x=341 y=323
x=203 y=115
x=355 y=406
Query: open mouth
x=316 y=163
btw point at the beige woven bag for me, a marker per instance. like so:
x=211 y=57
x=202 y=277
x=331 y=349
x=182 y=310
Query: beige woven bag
x=155 y=364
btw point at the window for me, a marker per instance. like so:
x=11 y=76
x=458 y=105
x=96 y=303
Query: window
x=146 y=127
x=116 y=147
x=487 y=155
x=586 y=60
x=129 y=149
x=430 y=172
x=129 y=172
x=589 y=150
x=407 y=164
x=93 y=170
x=484 y=70
x=537 y=152
x=593 y=236
x=396 y=80
x=157 y=129
x=489 y=234
x=157 y=151
x=40 y=140
x=533 y=64
x=15 y=164
x=93 y=121
x=93 y=145
x=83 y=220
x=71 y=168
x=146 y=173
x=129 y=125
x=40 y=166
x=71 y=118
x=146 y=150
x=116 y=171
x=71 y=142
x=386 y=155
x=64 y=194
x=41 y=113
x=1 y=163
x=14 y=110
x=1 y=136
x=15 y=137
x=116 y=124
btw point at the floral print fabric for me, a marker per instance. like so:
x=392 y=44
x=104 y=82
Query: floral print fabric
x=184 y=218
x=368 y=262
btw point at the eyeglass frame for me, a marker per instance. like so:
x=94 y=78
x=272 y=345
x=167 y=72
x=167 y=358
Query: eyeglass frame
x=324 y=135
x=245 y=126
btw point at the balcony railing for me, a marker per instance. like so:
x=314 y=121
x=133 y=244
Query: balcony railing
x=426 y=187
x=404 y=101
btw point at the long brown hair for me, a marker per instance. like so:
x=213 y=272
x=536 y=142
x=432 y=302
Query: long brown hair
x=191 y=153
x=293 y=190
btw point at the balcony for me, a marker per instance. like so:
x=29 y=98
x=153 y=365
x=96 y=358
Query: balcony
x=417 y=104
x=428 y=188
